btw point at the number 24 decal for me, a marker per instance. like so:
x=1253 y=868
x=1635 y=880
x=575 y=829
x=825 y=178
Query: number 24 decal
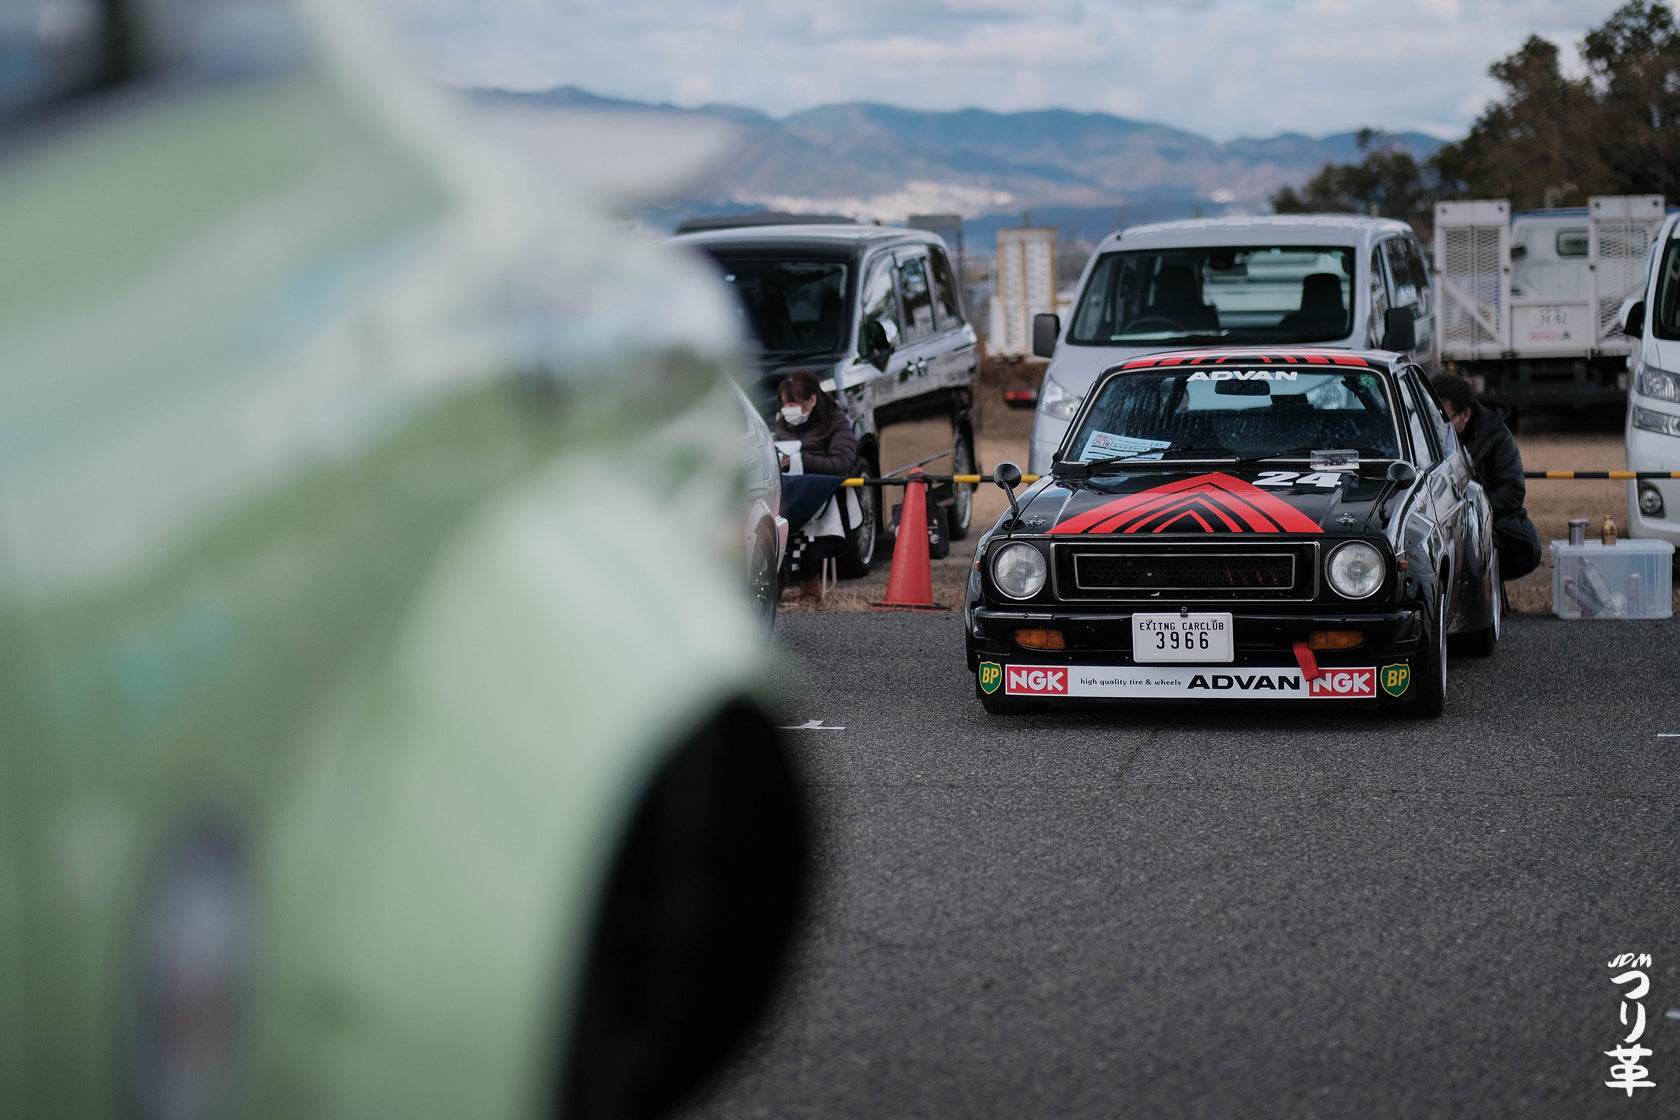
x=1329 y=480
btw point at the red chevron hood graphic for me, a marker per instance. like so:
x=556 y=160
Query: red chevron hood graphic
x=1211 y=503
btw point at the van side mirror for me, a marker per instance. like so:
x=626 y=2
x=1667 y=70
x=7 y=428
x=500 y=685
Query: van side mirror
x=1633 y=318
x=877 y=347
x=1400 y=330
x=1047 y=328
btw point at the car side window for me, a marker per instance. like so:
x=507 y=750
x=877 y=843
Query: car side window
x=880 y=303
x=1380 y=302
x=946 y=303
x=1400 y=276
x=1420 y=276
x=1445 y=436
x=918 y=301
x=1423 y=439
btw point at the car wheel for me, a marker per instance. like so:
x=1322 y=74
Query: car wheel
x=860 y=542
x=1480 y=643
x=1432 y=687
x=764 y=584
x=962 y=502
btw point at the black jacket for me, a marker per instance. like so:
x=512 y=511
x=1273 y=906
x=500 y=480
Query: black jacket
x=1498 y=466
x=823 y=448
x=1495 y=459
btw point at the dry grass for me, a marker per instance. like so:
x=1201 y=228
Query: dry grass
x=1548 y=445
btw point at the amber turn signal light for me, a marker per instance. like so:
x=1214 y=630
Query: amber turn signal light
x=1335 y=639
x=1040 y=639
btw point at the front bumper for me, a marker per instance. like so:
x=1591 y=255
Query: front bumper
x=1097 y=662
x=1654 y=451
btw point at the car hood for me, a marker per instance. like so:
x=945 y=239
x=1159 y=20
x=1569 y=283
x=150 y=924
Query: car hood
x=1207 y=499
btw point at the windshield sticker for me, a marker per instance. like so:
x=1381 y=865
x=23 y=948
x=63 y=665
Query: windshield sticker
x=1104 y=445
x=1245 y=375
x=1209 y=503
x=1327 y=480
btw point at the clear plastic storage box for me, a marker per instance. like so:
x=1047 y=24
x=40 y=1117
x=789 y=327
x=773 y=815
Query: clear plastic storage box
x=1629 y=579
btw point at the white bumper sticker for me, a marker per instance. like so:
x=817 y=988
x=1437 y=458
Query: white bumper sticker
x=1160 y=682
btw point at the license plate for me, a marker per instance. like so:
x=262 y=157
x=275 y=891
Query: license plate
x=1203 y=638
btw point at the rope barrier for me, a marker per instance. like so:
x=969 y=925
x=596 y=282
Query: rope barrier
x=1601 y=474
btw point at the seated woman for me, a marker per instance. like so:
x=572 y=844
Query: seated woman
x=827 y=449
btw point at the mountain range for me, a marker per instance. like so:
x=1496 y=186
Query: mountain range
x=887 y=162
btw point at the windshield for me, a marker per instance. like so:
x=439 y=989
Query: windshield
x=1665 y=316
x=1230 y=294
x=791 y=306
x=1236 y=414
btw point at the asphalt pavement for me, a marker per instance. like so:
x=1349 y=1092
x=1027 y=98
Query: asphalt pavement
x=1228 y=911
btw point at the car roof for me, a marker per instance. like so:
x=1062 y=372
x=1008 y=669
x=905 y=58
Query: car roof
x=1285 y=356
x=1281 y=229
x=821 y=238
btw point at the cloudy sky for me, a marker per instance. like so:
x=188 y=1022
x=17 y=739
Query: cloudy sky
x=1224 y=68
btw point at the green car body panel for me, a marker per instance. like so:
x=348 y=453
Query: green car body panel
x=338 y=492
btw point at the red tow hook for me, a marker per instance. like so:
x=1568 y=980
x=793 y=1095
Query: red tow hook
x=1308 y=663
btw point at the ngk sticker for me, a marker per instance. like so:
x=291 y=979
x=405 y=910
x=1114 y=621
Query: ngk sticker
x=1025 y=680
x=1352 y=684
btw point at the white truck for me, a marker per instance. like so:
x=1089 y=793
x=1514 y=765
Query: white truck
x=1530 y=303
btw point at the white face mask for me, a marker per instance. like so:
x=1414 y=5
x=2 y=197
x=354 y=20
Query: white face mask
x=794 y=415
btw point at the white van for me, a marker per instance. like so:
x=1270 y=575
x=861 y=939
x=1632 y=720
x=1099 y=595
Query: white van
x=1324 y=279
x=1653 y=413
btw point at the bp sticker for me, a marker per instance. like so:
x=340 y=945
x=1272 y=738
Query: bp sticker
x=1395 y=678
x=991 y=676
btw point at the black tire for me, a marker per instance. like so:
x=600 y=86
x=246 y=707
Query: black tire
x=861 y=542
x=764 y=580
x=1432 y=679
x=962 y=502
x=1481 y=643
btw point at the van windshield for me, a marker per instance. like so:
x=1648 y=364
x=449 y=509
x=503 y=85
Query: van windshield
x=1236 y=294
x=791 y=306
x=1152 y=415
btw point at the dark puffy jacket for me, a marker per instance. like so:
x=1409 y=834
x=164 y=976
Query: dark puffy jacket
x=824 y=448
x=1498 y=466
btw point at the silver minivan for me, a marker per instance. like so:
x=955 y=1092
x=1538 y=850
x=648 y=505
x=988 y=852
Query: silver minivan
x=1324 y=279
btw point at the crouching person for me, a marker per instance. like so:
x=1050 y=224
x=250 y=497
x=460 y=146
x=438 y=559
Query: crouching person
x=1498 y=467
x=812 y=501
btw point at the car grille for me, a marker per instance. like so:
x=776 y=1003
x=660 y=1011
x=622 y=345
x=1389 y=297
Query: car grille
x=1185 y=573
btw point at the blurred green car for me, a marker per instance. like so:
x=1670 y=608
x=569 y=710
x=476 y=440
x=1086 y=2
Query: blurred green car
x=379 y=734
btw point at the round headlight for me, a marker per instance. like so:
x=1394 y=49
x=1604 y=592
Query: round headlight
x=1019 y=570
x=1356 y=570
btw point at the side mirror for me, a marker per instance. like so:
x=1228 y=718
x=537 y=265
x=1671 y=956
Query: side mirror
x=1008 y=476
x=1400 y=330
x=1047 y=328
x=1633 y=318
x=877 y=346
x=1403 y=474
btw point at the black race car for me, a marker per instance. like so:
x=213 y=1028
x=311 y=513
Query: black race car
x=1296 y=526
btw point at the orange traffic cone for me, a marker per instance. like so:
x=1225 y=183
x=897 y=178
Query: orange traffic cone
x=910 y=584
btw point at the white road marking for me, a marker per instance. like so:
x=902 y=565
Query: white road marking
x=810 y=725
x=1668 y=734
